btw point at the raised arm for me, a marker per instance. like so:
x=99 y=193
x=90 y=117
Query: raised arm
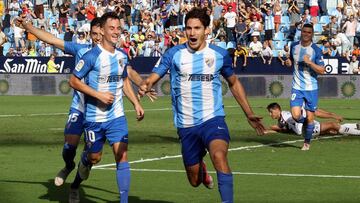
x=42 y=35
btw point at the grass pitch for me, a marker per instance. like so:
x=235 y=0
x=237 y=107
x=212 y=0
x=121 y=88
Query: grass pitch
x=266 y=168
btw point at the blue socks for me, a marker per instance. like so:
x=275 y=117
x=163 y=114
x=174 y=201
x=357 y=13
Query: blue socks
x=68 y=154
x=309 y=131
x=301 y=119
x=225 y=184
x=77 y=181
x=123 y=180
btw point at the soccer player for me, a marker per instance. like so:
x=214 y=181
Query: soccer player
x=74 y=126
x=307 y=61
x=195 y=70
x=104 y=70
x=287 y=124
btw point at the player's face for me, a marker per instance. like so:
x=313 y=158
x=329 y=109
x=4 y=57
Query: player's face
x=96 y=34
x=275 y=113
x=306 y=34
x=111 y=31
x=195 y=32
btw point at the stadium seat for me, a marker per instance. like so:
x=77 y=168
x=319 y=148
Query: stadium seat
x=324 y=20
x=285 y=20
x=279 y=36
x=61 y=36
x=331 y=11
x=6 y=47
x=318 y=29
x=275 y=53
x=231 y=45
x=134 y=29
x=221 y=44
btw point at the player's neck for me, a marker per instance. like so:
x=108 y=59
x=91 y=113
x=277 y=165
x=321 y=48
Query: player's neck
x=108 y=46
x=305 y=44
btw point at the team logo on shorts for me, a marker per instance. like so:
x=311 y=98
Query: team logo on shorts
x=209 y=61
x=80 y=65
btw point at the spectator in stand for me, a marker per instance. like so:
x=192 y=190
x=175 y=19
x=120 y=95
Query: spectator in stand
x=269 y=22
x=255 y=12
x=314 y=10
x=277 y=12
x=266 y=53
x=230 y=20
x=338 y=14
x=332 y=28
x=342 y=44
x=81 y=38
x=127 y=10
x=6 y=22
x=156 y=51
x=284 y=54
x=326 y=48
x=11 y=52
x=354 y=65
x=3 y=39
x=255 y=27
x=356 y=51
x=255 y=47
x=137 y=11
x=148 y=45
x=68 y=35
x=80 y=14
x=18 y=34
x=32 y=51
x=241 y=31
x=349 y=8
x=217 y=9
x=350 y=29
x=100 y=9
x=133 y=50
x=14 y=9
x=51 y=66
x=55 y=5
x=41 y=21
x=126 y=45
x=31 y=39
x=174 y=39
x=174 y=14
x=294 y=14
x=240 y=52
x=64 y=10
x=90 y=11
x=39 y=8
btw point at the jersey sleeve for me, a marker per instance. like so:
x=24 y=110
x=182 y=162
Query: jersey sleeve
x=227 y=69
x=163 y=64
x=84 y=66
x=319 y=59
x=72 y=48
x=125 y=73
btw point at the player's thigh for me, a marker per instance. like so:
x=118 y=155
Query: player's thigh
x=74 y=127
x=297 y=98
x=120 y=151
x=311 y=100
x=94 y=137
x=192 y=147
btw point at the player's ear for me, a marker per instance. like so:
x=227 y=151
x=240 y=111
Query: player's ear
x=102 y=31
x=207 y=30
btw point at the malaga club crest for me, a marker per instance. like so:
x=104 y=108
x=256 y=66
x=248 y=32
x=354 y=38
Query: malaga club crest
x=209 y=62
x=121 y=62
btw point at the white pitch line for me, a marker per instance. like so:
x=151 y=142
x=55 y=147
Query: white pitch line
x=246 y=173
x=6 y=116
x=232 y=149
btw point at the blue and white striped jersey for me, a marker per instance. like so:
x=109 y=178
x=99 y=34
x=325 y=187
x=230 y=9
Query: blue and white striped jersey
x=305 y=78
x=77 y=50
x=195 y=82
x=104 y=72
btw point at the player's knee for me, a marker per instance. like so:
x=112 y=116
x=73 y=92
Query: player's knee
x=95 y=158
x=218 y=156
x=121 y=156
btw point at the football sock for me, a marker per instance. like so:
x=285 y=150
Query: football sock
x=68 y=154
x=123 y=180
x=225 y=184
x=77 y=181
x=84 y=159
x=309 y=131
x=349 y=129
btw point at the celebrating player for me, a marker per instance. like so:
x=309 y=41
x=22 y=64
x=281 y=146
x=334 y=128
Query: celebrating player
x=287 y=124
x=307 y=60
x=195 y=68
x=104 y=68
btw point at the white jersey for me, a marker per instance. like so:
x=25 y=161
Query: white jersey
x=287 y=122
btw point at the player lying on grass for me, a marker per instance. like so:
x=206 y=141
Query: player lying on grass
x=286 y=123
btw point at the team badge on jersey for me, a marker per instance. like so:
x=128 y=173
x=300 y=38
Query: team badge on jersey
x=80 y=65
x=209 y=61
x=121 y=62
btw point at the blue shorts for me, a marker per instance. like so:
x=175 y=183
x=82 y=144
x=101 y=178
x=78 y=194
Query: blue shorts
x=195 y=140
x=96 y=133
x=300 y=97
x=75 y=123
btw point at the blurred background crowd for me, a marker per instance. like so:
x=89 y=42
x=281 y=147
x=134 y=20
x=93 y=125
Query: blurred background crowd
x=260 y=28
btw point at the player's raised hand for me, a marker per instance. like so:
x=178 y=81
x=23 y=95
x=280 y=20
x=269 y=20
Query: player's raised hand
x=106 y=97
x=288 y=63
x=139 y=112
x=255 y=122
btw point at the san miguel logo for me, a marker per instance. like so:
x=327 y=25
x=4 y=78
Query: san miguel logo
x=29 y=65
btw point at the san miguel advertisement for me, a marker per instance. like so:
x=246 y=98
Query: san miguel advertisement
x=36 y=65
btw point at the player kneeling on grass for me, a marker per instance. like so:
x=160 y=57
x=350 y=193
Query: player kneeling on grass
x=287 y=124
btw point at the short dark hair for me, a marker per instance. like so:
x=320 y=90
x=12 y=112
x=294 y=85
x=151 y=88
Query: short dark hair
x=309 y=25
x=273 y=106
x=95 y=22
x=109 y=15
x=200 y=14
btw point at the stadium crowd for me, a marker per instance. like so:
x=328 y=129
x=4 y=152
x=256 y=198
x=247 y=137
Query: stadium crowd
x=246 y=28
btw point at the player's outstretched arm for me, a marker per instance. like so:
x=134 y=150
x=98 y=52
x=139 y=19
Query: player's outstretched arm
x=317 y=68
x=137 y=80
x=147 y=84
x=129 y=92
x=42 y=35
x=104 y=97
x=239 y=93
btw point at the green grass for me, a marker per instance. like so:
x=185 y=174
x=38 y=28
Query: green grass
x=31 y=145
